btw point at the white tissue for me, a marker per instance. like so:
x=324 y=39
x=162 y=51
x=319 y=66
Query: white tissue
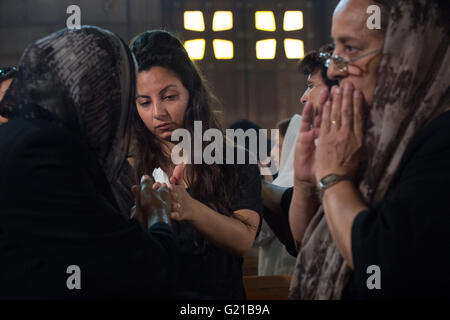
x=160 y=176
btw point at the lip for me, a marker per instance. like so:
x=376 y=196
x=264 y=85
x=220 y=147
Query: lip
x=165 y=126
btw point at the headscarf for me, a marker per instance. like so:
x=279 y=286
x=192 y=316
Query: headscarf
x=82 y=80
x=412 y=89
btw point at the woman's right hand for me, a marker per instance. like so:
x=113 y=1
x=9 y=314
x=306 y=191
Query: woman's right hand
x=152 y=204
x=305 y=148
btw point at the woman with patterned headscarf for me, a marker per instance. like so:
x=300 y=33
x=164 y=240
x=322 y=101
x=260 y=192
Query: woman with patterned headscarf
x=382 y=159
x=64 y=230
x=6 y=77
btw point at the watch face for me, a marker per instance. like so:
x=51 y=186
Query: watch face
x=327 y=180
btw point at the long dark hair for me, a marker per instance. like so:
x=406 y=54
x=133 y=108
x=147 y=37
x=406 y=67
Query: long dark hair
x=215 y=185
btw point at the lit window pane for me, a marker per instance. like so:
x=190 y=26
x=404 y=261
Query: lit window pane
x=195 y=48
x=223 y=20
x=265 y=20
x=294 y=48
x=193 y=20
x=223 y=49
x=266 y=49
x=293 y=20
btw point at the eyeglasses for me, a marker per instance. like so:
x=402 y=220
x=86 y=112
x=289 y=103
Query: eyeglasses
x=341 y=63
x=6 y=73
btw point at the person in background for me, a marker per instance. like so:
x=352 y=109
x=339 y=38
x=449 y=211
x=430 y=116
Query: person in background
x=265 y=238
x=277 y=198
x=316 y=69
x=6 y=77
x=276 y=150
x=216 y=207
x=273 y=258
x=261 y=157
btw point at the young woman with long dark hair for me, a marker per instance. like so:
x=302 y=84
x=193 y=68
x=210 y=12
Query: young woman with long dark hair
x=216 y=207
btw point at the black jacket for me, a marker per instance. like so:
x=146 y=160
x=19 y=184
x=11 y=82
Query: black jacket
x=57 y=210
x=406 y=234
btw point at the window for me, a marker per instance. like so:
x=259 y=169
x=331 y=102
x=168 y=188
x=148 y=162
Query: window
x=195 y=48
x=293 y=20
x=266 y=49
x=294 y=48
x=265 y=21
x=222 y=21
x=223 y=49
x=193 y=20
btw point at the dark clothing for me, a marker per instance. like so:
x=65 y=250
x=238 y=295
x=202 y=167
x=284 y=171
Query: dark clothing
x=406 y=233
x=209 y=272
x=57 y=210
x=287 y=239
x=286 y=199
x=279 y=222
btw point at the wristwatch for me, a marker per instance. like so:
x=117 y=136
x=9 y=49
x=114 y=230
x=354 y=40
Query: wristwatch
x=328 y=181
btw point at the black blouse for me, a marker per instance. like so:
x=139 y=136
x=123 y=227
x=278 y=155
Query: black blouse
x=209 y=272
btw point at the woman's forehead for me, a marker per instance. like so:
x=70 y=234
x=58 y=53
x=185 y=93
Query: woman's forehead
x=349 y=21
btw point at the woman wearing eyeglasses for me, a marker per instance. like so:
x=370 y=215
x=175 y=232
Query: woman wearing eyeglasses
x=381 y=164
x=6 y=76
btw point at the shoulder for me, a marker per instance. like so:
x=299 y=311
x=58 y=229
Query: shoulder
x=26 y=131
x=250 y=187
x=40 y=141
x=249 y=172
x=432 y=137
x=424 y=165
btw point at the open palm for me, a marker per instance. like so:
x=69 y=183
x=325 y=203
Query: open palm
x=305 y=148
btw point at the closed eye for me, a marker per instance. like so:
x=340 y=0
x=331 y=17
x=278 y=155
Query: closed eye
x=171 y=97
x=144 y=103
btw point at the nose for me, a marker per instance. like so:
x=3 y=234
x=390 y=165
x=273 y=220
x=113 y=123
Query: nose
x=305 y=97
x=160 y=110
x=334 y=73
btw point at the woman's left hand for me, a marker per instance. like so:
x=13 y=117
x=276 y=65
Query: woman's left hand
x=181 y=203
x=341 y=133
x=181 y=199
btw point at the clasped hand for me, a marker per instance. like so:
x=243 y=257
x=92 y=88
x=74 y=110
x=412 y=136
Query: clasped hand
x=338 y=128
x=155 y=200
x=152 y=205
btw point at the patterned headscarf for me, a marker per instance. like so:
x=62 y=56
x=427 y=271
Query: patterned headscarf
x=412 y=89
x=85 y=81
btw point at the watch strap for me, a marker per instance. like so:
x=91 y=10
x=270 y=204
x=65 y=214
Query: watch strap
x=329 y=181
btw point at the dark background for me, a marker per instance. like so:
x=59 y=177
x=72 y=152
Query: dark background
x=264 y=91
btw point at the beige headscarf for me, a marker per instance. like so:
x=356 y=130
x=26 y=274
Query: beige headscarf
x=412 y=89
